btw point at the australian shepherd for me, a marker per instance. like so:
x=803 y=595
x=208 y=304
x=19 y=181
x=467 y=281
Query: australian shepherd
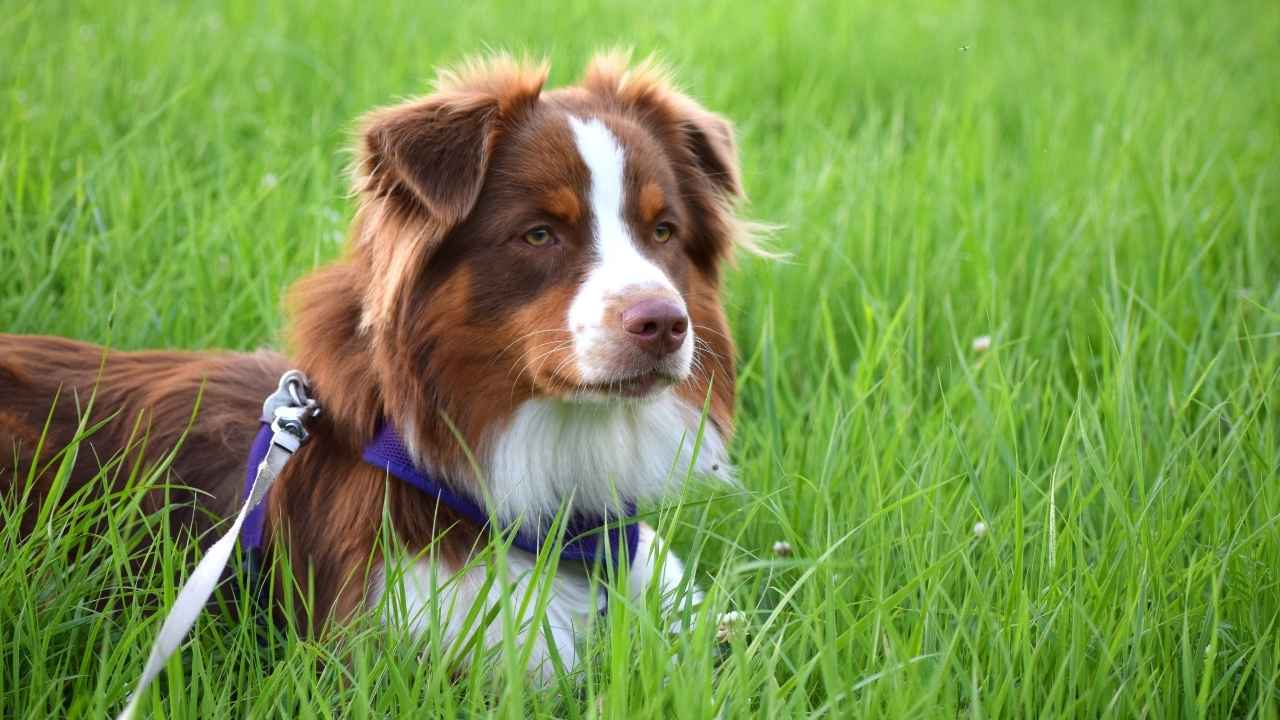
x=530 y=296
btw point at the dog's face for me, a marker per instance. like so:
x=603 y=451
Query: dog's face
x=577 y=258
x=524 y=244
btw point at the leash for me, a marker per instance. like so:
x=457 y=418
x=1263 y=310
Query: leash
x=287 y=410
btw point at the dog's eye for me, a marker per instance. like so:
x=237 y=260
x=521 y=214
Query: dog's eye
x=539 y=236
x=663 y=232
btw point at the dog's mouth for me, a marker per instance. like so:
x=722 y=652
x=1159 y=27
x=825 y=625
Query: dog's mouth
x=631 y=387
x=635 y=386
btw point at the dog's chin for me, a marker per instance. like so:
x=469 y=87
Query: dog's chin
x=631 y=388
x=635 y=387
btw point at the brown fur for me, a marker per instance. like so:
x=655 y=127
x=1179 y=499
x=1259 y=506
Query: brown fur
x=437 y=312
x=147 y=400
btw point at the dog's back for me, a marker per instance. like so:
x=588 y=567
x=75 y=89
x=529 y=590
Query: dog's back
x=142 y=406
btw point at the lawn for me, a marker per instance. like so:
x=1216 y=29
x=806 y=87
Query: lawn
x=1094 y=186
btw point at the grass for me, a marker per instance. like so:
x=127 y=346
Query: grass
x=1093 y=185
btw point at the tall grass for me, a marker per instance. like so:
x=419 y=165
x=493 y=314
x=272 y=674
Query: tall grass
x=1093 y=185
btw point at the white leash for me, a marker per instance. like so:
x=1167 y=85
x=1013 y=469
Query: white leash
x=288 y=408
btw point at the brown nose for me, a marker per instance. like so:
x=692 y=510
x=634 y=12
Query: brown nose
x=656 y=326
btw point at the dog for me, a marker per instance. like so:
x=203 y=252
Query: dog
x=529 y=296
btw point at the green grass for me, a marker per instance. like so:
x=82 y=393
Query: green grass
x=1093 y=185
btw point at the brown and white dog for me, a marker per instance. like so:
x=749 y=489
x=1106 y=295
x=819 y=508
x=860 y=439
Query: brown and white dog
x=532 y=279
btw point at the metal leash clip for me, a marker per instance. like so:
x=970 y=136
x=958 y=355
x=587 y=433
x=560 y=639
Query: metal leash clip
x=289 y=408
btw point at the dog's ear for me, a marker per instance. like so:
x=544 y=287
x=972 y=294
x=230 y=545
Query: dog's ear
x=646 y=88
x=710 y=137
x=433 y=152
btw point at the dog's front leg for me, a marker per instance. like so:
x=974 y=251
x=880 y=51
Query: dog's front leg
x=657 y=569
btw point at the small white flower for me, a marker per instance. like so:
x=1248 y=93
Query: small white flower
x=982 y=343
x=979 y=529
x=730 y=625
x=782 y=548
x=270 y=180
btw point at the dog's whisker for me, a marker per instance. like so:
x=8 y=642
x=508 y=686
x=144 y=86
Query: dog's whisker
x=700 y=328
x=498 y=355
x=521 y=363
x=539 y=361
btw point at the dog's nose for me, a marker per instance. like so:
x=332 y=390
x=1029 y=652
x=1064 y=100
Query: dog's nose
x=656 y=326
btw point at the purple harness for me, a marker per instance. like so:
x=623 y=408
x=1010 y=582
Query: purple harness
x=584 y=535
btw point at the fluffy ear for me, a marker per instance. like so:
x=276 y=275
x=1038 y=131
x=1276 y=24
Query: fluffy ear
x=433 y=152
x=710 y=138
x=648 y=89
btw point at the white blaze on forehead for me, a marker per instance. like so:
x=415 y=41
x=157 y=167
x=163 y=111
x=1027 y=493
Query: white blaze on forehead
x=619 y=264
x=615 y=247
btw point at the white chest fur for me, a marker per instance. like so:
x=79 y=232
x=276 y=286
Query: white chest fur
x=596 y=454
x=551 y=452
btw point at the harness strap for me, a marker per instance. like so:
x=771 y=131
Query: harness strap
x=587 y=537
x=289 y=407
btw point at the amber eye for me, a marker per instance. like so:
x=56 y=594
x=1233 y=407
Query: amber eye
x=539 y=236
x=662 y=233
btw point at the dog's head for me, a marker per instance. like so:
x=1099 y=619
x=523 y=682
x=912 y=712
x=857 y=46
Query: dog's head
x=521 y=245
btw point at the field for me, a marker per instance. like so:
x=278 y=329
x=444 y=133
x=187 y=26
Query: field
x=1094 y=186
